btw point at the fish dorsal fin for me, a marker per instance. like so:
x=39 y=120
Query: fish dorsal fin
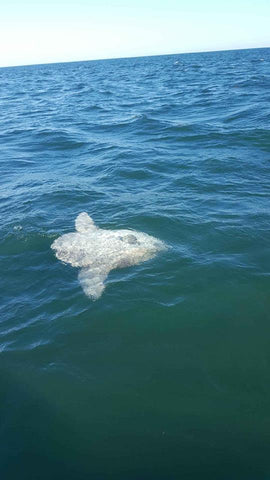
x=84 y=223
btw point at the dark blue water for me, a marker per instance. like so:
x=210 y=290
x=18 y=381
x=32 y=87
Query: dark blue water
x=166 y=376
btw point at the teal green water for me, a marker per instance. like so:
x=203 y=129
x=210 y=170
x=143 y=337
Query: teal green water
x=166 y=376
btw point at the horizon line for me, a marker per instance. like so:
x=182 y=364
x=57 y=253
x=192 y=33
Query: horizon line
x=133 y=56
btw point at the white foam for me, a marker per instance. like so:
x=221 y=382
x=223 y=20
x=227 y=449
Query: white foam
x=97 y=251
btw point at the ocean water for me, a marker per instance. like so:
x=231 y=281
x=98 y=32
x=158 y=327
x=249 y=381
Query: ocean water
x=166 y=375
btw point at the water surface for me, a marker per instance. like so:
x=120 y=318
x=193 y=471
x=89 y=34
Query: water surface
x=166 y=376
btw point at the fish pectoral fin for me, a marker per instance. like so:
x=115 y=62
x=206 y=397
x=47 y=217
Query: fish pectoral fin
x=92 y=282
x=84 y=223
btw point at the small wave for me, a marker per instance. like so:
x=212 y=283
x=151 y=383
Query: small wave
x=51 y=139
x=240 y=113
x=58 y=140
x=20 y=242
x=96 y=108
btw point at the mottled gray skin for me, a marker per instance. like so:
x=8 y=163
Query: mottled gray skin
x=97 y=251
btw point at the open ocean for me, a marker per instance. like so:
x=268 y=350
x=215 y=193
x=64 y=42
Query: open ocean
x=166 y=375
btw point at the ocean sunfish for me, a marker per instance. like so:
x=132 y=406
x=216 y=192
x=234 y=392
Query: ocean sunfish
x=97 y=251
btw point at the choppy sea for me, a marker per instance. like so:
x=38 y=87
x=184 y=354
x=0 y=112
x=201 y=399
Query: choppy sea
x=166 y=375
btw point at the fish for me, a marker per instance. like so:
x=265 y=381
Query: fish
x=97 y=251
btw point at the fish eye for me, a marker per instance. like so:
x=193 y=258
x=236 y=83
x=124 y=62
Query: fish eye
x=131 y=239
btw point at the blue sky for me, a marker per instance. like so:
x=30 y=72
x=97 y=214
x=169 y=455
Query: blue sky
x=39 y=31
